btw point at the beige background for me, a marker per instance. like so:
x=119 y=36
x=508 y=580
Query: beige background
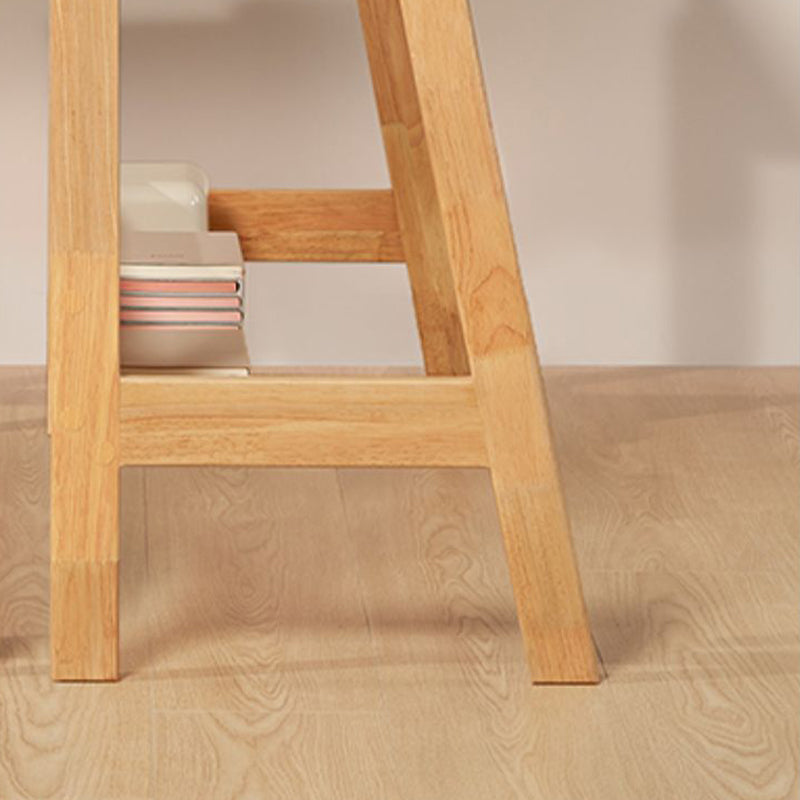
x=651 y=154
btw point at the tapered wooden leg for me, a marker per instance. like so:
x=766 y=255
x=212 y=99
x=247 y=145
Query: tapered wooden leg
x=448 y=147
x=83 y=360
x=415 y=193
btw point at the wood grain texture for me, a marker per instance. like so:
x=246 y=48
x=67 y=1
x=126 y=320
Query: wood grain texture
x=455 y=139
x=352 y=634
x=278 y=708
x=334 y=225
x=629 y=486
x=58 y=740
x=418 y=205
x=83 y=356
x=415 y=190
x=302 y=421
x=441 y=612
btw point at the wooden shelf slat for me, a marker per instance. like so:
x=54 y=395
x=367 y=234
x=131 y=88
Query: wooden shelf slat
x=266 y=421
x=332 y=225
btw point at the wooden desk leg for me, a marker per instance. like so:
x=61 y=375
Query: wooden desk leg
x=83 y=360
x=443 y=130
x=424 y=242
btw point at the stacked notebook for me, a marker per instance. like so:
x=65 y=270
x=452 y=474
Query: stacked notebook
x=181 y=285
x=181 y=302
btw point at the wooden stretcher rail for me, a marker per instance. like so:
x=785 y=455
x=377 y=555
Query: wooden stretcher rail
x=265 y=421
x=338 y=225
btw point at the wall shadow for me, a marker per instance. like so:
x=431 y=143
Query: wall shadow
x=728 y=115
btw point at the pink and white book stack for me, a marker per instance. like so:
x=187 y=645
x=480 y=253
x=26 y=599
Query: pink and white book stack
x=181 y=302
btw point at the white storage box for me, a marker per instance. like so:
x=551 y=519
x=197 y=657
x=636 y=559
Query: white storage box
x=163 y=196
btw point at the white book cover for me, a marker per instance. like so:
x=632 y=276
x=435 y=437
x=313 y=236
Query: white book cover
x=181 y=255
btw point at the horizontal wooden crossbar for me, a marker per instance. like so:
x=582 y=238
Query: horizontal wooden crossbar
x=266 y=421
x=338 y=225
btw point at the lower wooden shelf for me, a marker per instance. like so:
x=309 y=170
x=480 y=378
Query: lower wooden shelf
x=301 y=421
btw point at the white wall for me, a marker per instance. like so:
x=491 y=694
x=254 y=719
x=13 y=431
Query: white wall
x=651 y=153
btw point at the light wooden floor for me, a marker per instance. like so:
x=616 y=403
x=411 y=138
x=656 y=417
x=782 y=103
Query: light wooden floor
x=351 y=634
